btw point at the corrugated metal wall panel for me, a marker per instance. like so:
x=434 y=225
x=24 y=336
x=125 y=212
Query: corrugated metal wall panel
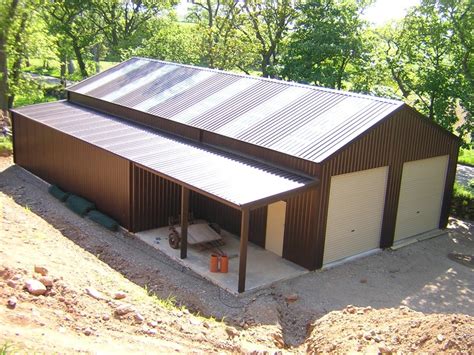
x=405 y=136
x=75 y=166
x=155 y=199
x=300 y=229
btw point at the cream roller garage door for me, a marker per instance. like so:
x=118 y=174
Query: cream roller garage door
x=421 y=196
x=356 y=204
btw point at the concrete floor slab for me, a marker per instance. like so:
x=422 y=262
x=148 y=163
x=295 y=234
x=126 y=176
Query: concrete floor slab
x=263 y=267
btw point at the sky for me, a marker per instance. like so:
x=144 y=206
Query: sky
x=383 y=11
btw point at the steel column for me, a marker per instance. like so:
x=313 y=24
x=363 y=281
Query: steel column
x=244 y=236
x=184 y=221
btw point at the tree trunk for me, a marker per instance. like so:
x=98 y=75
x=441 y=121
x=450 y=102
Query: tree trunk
x=62 y=73
x=80 y=59
x=3 y=82
x=96 y=58
x=70 y=66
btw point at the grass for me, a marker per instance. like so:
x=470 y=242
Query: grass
x=7 y=348
x=53 y=68
x=466 y=156
x=6 y=144
x=24 y=100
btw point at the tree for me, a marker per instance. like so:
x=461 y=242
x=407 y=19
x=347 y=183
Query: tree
x=172 y=41
x=71 y=21
x=267 y=23
x=8 y=12
x=222 y=45
x=460 y=15
x=124 y=23
x=420 y=57
x=327 y=39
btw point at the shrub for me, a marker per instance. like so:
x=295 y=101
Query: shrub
x=462 y=204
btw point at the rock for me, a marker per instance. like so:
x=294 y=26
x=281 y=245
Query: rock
x=47 y=281
x=206 y=325
x=384 y=349
x=87 y=331
x=152 y=324
x=138 y=317
x=12 y=283
x=12 y=301
x=231 y=332
x=440 y=338
x=94 y=293
x=16 y=277
x=350 y=309
x=291 y=298
x=367 y=336
x=35 y=287
x=363 y=281
x=449 y=344
x=41 y=270
x=151 y=332
x=124 y=309
x=194 y=321
x=120 y=295
x=105 y=317
x=377 y=339
x=415 y=324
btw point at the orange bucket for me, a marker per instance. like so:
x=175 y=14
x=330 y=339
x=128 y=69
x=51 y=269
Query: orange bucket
x=213 y=266
x=224 y=263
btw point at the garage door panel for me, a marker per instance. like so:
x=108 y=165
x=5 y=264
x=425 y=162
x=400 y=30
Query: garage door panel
x=355 y=212
x=421 y=196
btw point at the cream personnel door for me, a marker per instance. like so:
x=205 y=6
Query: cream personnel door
x=275 y=227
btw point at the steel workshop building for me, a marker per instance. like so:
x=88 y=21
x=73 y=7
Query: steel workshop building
x=311 y=174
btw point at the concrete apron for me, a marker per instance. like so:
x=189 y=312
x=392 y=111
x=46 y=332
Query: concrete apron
x=417 y=238
x=264 y=268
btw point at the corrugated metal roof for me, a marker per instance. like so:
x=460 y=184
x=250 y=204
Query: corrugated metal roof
x=234 y=179
x=300 y=120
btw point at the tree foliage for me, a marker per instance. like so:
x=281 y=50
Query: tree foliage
x=424 y=59
x=328 y=37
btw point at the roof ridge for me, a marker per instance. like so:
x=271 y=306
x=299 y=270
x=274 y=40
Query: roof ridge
x=277 y=81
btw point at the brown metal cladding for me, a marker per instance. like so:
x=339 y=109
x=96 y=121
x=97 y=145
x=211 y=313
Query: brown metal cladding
x=155 y=199
x=300 y=229
x=136 y=116
x=75 y=166
x=404 y=136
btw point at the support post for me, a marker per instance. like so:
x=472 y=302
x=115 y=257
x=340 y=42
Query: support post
x=244 y=237
x=184 y=221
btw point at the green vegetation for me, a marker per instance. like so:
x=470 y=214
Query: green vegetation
x=463 y=201
x=424 y=59
x=466 y=156
x=6 y=145
x=7 y=348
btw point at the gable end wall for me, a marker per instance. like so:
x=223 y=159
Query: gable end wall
x=405 y=135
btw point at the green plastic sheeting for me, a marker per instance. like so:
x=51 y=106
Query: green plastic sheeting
x=58 y=193
x=103 y=219
x=79 y=205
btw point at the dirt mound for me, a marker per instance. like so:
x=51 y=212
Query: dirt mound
x=391 y=330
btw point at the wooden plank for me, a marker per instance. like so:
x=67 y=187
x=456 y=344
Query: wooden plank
x=200 y=233
x=244 y=236
x=184 y=221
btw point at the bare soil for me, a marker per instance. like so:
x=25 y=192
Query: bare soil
x=170 y=309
